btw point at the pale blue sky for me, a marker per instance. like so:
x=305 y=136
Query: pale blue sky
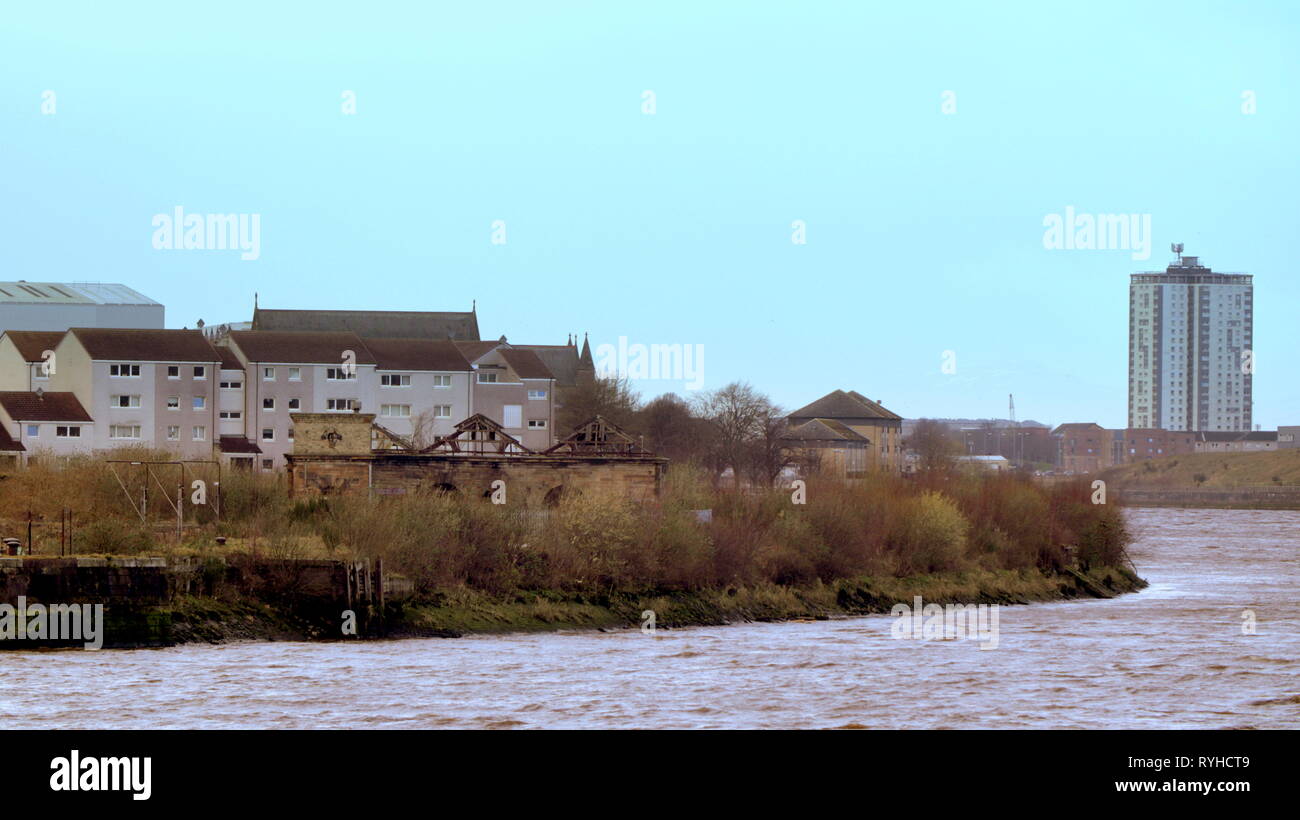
x=924 y=230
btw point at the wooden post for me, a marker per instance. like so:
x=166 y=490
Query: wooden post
x=180 y=511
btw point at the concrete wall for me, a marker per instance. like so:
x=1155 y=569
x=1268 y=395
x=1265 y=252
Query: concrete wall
x=36 y=316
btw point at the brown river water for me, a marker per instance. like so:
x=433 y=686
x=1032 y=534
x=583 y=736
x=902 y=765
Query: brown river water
x=1171 y=656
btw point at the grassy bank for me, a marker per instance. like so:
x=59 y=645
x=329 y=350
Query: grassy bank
x=838 y=548
x=1212 y=471
x=466 y=611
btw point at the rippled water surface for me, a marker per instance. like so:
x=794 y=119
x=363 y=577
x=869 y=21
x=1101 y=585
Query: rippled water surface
x=1172 y=655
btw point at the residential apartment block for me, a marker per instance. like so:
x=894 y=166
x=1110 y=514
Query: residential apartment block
x=35 y=422
x=1085 y=447
x=1190 y=348
x=95 y=389
x=149 y=387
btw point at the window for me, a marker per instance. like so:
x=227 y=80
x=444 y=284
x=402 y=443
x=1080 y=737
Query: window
x=442 y=381
x=339 y=405
x=339 y=374
x=512 y=415
x=124 y=431
x=173 y=402
x=123 y=371
x=268 y=374
x=268 y=434
x=395 y=380
x=124 y=401
x=395 y=410
x=231 y=385
x=200 y=372
x=442 y=411
x=200 y=402
x=290 y=434
x=295 y=404
x=295 y=374
x=487 y=378
x=67 y=432
x=173 y=371
x=537 y=424
x=268 y=463
x=33 y=431
x=231 y=414
x=536 y=394
x=173 y=432
x=268 y=404
x=39 y=373
x=200 y=433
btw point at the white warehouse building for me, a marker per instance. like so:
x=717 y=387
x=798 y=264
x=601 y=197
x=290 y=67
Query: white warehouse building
x=59 y=306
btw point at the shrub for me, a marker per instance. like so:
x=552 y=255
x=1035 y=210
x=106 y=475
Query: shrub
x=933 y=534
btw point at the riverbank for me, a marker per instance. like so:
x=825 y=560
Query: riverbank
x=1258 y=480
x=467 y=612
x=192 y=618
x=1244 y=498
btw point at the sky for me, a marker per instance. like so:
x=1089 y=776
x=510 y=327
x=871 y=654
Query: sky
x=917 y=149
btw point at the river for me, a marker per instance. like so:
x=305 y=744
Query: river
x=1171 y=656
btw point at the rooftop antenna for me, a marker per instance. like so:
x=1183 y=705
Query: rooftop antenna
x=1177 y=248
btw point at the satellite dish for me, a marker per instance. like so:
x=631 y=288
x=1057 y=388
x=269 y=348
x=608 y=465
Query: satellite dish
x=1177 y=248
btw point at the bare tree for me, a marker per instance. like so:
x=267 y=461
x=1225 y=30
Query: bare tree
x=609 y=397
x=423 y=425
x=770 y=452
x=738 y=416
x=672 y=430
x=933 y=442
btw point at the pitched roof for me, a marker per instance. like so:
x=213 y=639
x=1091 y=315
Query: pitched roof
x=229 y=361
x=38 y=406
x=237 y=444
x=390 y=324
x=417 y=354
x=477 y=350
x=32 y=343
x=1236 y=435
x=839 y=404
x=71 y=293
x=526 y=363
x=1078 y=427
x=133 y=345
x=289 y=347
x=561 y=360
x=7 y=444
x=825 y=430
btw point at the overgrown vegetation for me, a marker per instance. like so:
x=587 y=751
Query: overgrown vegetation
x=884 y=526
